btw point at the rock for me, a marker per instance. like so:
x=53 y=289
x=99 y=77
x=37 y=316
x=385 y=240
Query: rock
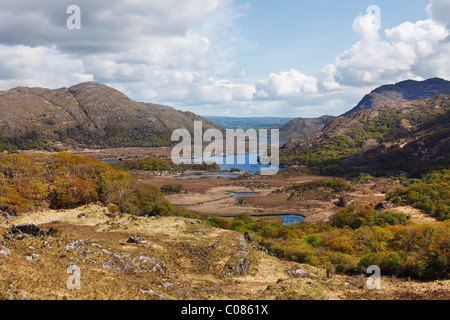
x=32 y=256
x=152 y=293
x=240 y=268
x=20 y=237
x=298 y=273
x=29 y=228
x=346 y=201
x=136 y=240
x=5 y=251
x=383 y=206
x=82 y=215
x=250 y=237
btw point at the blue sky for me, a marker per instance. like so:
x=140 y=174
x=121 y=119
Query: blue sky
x=307 y=35
x=227 y=57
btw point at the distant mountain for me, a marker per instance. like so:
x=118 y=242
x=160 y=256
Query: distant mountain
x=301 y=127
x=410 y=136
x=248 y=122
x=87 y=114
x=403 y=91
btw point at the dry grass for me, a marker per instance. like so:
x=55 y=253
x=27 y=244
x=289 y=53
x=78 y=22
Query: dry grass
x=192 y=256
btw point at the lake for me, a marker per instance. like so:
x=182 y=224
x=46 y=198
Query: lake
x=244 y=162
x=198 y=176
x=288 y=220
x=241 y=194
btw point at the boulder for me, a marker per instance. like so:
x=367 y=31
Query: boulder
x=383 y=206
x=345 y=201
x=29 y=228
x=136 y=239
x=298 y=273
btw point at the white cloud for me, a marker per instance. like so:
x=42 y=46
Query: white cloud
x=183 y=53
x=287 y=84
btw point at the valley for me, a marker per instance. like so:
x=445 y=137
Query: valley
x=370 y=188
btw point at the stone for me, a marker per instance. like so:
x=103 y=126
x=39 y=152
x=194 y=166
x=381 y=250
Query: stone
x=5 y=251
x=20 y=237
x=383 y=206
x=136 y=239
x=152 y=293
x=298 y=273
x=29 y=228
x=32 y=256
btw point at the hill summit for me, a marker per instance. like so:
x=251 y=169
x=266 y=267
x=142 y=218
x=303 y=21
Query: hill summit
x=88 y=114
x=403 y=91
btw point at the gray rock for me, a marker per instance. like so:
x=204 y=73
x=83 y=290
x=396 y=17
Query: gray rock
x=152 y=293
x=298 y=273
x=136 y=239
x=20 y=237
x=29 y=228
x=32 y=256
x=5 y=251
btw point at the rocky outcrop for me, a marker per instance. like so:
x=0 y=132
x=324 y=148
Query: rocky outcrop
x=240 y=263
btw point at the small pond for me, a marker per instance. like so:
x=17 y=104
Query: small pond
x=198 y=176
x=288 y=219
x=241 y=194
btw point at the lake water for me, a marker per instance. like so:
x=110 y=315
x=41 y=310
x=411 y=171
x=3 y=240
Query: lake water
x=288 y=220
x=291 y=219
x=241 y=194
x=198 y=176
x=244 y=162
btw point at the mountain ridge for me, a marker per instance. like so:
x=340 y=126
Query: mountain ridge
x=89 y=113
x=402 y=91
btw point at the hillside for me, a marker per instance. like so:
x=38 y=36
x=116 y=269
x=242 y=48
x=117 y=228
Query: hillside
x=175 y=259
x=300 y=127
x=412 y=137
x=87 y=114
x=402 y=91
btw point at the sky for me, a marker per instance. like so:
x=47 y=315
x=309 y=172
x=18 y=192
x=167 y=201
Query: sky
x=289 y=58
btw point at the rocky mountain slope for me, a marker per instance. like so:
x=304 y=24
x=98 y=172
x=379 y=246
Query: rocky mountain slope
x=300 y=127
x=86 y=114
x=383 y=96
x=403 y=91
x=407 y=136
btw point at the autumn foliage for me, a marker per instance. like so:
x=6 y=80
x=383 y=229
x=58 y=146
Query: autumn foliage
x=63 y=180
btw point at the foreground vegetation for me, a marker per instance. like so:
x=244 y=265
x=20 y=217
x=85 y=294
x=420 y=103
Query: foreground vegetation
x=350 y=245
x=64 y=181
x=357 y=236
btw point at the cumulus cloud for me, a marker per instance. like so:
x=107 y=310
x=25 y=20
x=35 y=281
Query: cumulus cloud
x=182 y=53
x=120 y=41
x=285 y=84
